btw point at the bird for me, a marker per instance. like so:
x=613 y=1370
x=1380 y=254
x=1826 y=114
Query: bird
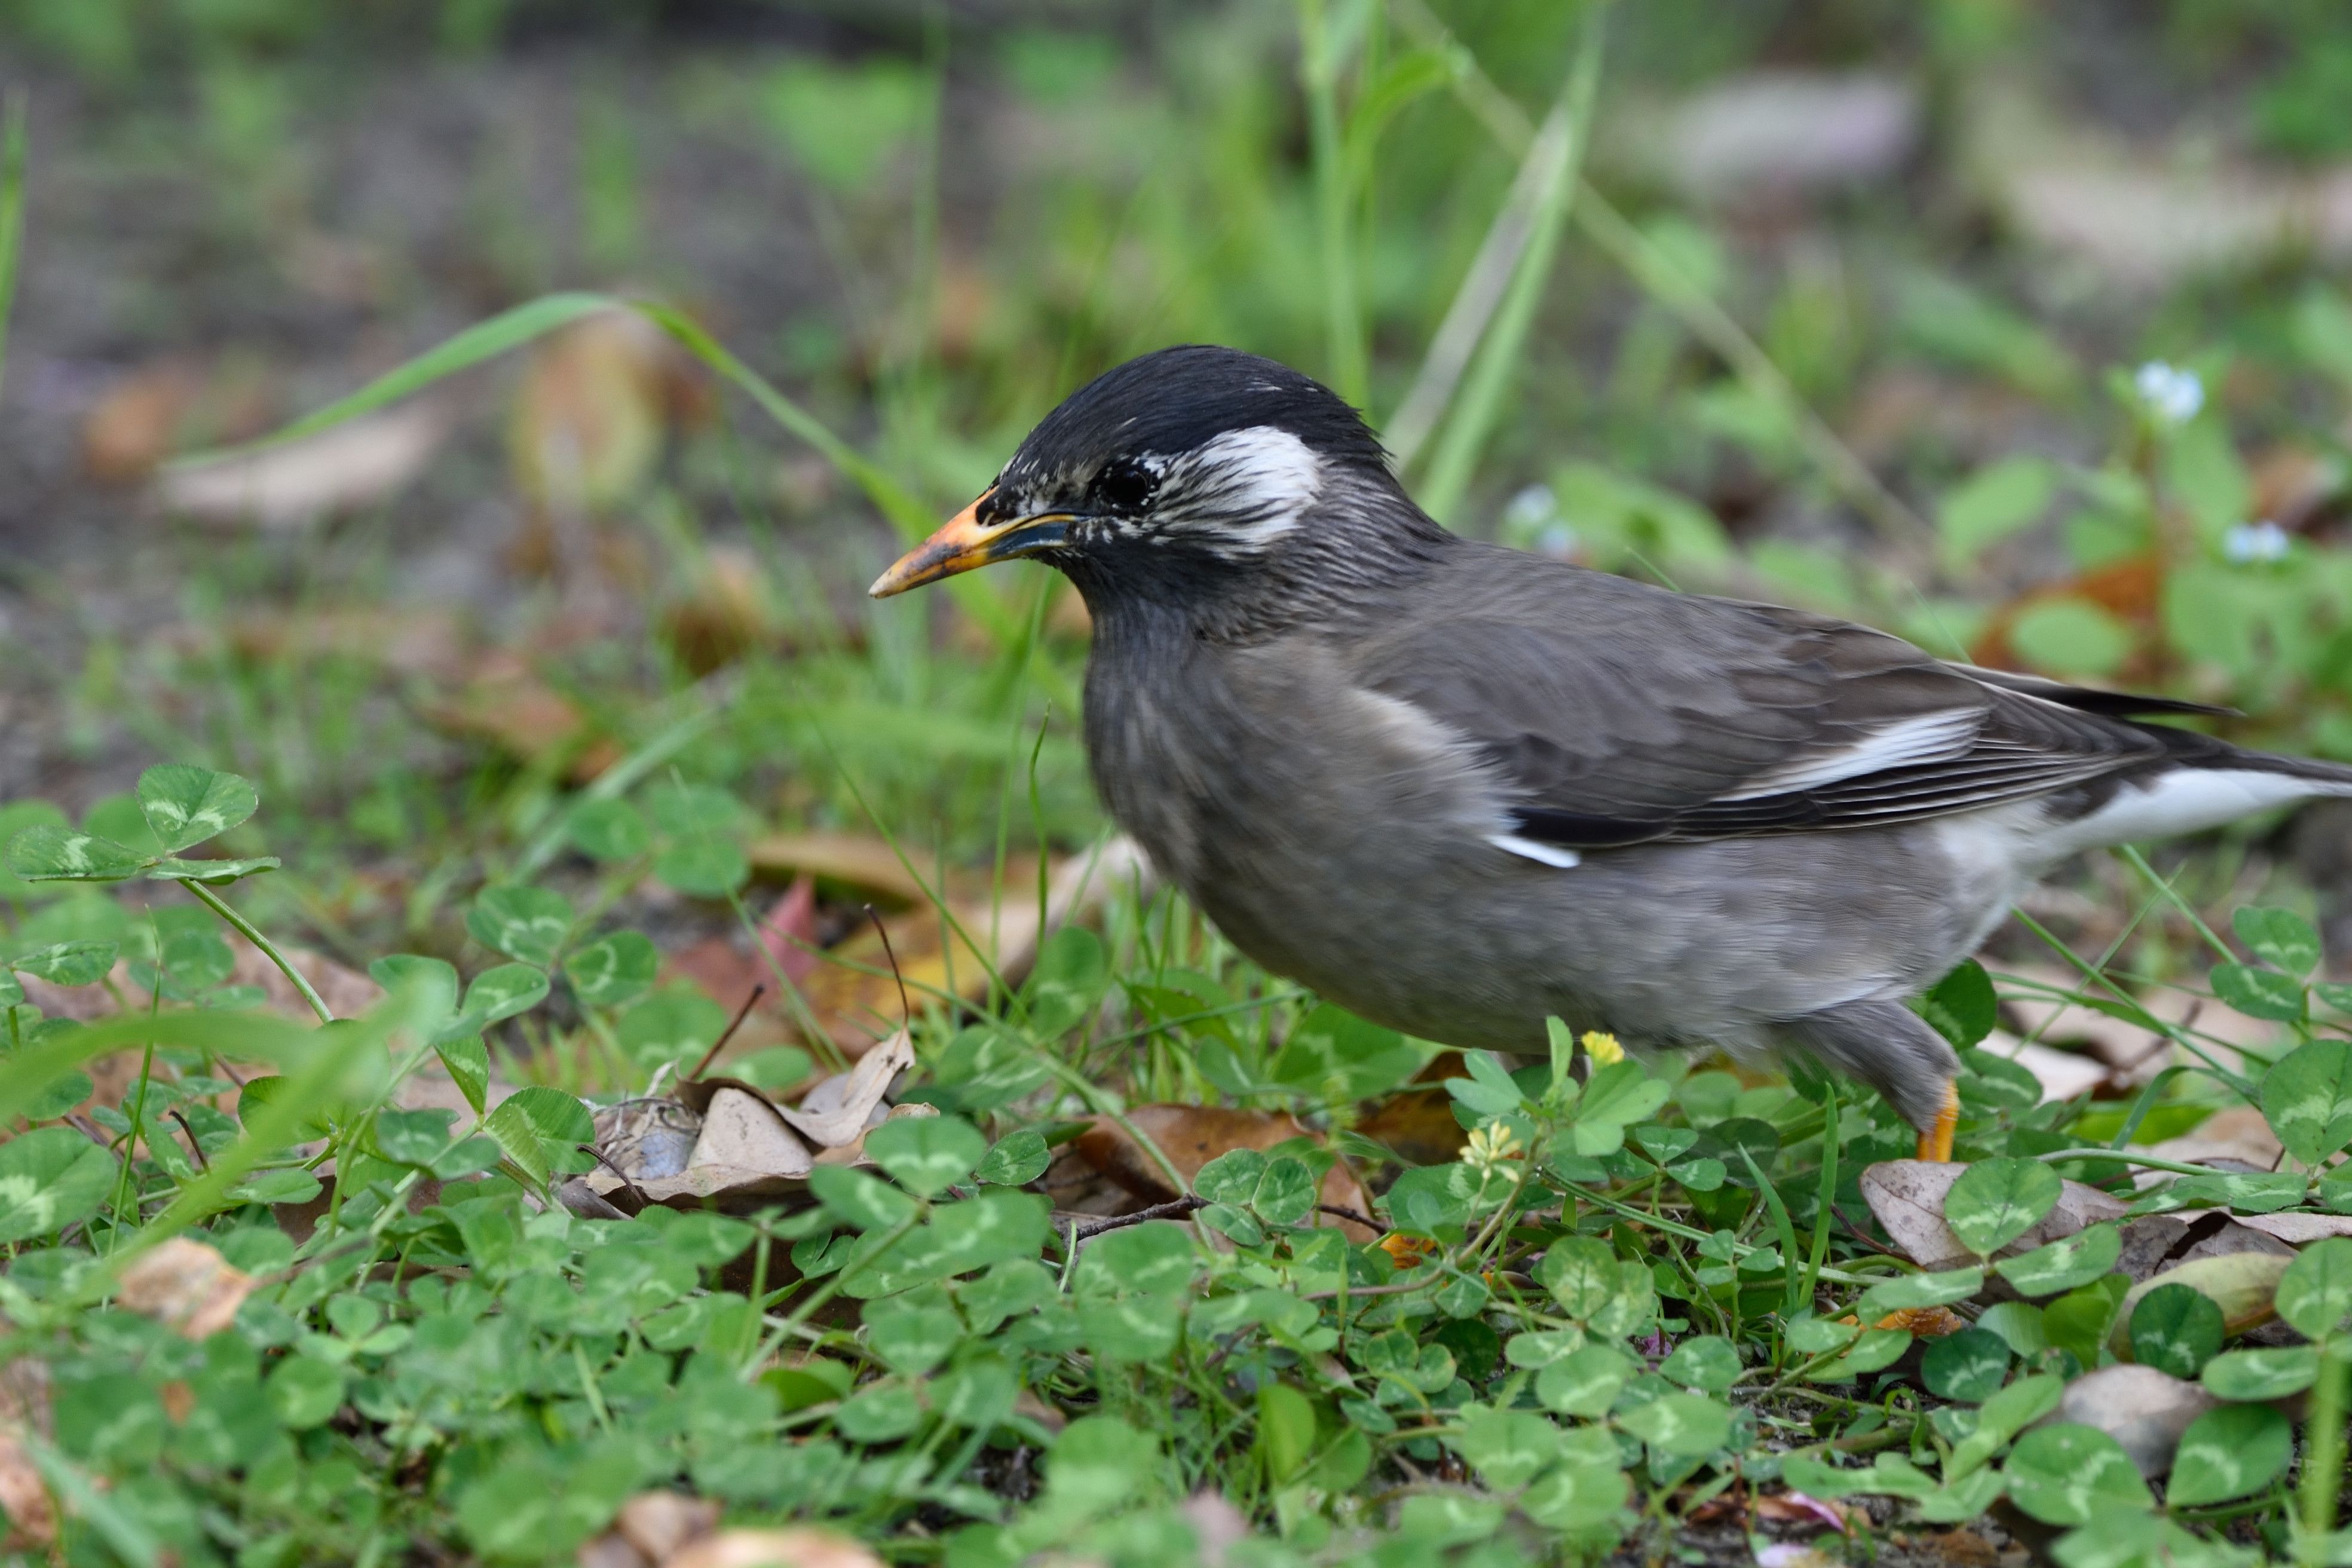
x=1461 y=790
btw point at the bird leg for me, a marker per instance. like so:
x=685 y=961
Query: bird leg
x=1936 y=1139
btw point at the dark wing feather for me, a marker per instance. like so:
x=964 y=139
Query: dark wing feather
x=1619 y=713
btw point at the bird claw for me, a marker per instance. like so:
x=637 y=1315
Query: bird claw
x=1936 y=1142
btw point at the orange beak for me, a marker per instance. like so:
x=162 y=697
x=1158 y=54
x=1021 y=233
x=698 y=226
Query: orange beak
x=966 y=542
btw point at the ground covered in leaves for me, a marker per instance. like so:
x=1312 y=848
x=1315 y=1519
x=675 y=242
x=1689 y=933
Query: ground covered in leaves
x=538 y=1025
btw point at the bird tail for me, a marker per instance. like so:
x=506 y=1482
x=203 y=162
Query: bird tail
x=2202 y=784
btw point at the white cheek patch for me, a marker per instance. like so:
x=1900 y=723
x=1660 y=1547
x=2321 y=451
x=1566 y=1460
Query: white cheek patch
x=1243 y=491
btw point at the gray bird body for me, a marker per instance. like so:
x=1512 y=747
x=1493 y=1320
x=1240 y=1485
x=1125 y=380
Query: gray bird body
x=1459 y=789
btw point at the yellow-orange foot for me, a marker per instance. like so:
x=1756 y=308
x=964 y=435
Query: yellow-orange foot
x=1936 y=1142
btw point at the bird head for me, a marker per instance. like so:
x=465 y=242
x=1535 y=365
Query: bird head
x=1190 y=465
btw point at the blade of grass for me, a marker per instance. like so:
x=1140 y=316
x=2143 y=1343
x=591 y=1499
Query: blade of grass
x=1474 y=301
x=1319 y=55
x=1650 y=267
x=524 y=323
x=1555 y=154
x=1820 y=1249
x=13 y=143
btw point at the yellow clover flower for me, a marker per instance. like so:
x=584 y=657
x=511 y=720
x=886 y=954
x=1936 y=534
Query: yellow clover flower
x=1602 y=1049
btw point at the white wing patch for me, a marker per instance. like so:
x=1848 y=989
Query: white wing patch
x=1531 y=849
x=1930 y=737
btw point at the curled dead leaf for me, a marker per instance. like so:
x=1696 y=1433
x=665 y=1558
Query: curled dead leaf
x=2141 y=1408
x=839 y=1109
x=856 y=1004
x=774 y=1548
x=863 y=864
x=186 y=1285
x=349 y=465
x=1907 y=1197
x=1192 y=1135
x=2244 y=1285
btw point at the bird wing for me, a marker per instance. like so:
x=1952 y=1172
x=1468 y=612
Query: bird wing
x=1617 y=713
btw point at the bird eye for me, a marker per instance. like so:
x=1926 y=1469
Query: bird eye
x=1124 y=486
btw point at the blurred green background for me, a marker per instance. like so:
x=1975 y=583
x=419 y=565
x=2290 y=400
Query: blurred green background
x=2019 y=328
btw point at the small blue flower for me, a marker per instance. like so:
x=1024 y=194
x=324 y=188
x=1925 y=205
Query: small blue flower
x=2174 y=395
x=2252 y=543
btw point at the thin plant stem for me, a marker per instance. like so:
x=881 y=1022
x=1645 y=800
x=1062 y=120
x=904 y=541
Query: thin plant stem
x=252 y=933
x=1819 y=1249
x=11 y=207
x=1558 y=149
x=2322 y=1447
x=1318 y=75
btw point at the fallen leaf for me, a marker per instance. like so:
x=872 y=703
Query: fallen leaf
x=406 y=641
x=2298 y=1229
x=1217 y=1526
x=2062 y=1075
x=184 y=1285
x=32 y=1517
x=2238 y=1133
x=340 y=469
x=135 y=425
x=726 y=612
x=660 y=1523
x=25 y=1408
x=745 y=1131
x=512 y=707
x=2243 y=1284
x=591 y=416
x=1801 y=1512
x=2138 y=216
x=774 y=1548
x=856 y=1005
x=2141 y=1408
x=1777 y=134
x=1192 y=1135
x=2154 y=1243
x=1907 y=1197
x=863 y=864
x=648 y=1138
x=725 y=969
x=839 y=1109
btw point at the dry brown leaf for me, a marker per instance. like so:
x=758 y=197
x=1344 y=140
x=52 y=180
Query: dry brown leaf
x=728 y=970
x=1192 y=1135
x=135 y=425
x=1217 y=1525
x=726 y=612
x=32 y=1517
x=2238 y=1133
x=1801 y=1510
x=2141 y=1408
x=1776 y=134
x=856 y=1004
x=408 y=641
x=186 y=1286
x=774 y=1548
x=648 y=1138
x=2062 y=1075
x=660 y=1523
x=839 y=1109
x=745 y=1131
x=339 y=470
x=2138 y=216
x=2243 y=1284
x=512 y=707
x=863 y=864
x=591 y=414
x=2298 y=1229
x=1907 y=1197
